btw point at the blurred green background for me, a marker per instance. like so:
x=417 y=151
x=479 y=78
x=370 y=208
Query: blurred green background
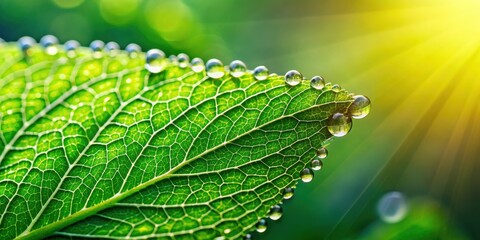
x=418 y=62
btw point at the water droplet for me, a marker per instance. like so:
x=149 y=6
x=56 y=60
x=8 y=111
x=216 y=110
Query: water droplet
x=316 y=164
x=71 y=45
x=336 y=88
x=262 y=226
x=322 y=153
x=97 y=45
x=276 y=212
x=248 y=236
x=360 y=107
x=293 y=77
x=392 y=207
x=317 y=82
x=339 y=125
x=133 y=49
x=227 y=231
x=173 y=59
x=288 y=193
x=306 y=175
x=197 y=65
x=215 y=68
x=112 y=46
x=237 y=68
x=26 y=43
x=49 y=42
x=260 y=73
x=155 y=61
x=183 y=60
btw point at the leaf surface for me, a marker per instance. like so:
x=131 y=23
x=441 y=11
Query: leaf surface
x=92 y=145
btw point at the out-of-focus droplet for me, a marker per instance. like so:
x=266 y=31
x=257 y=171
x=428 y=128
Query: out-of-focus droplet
x=97 y=45
x=248 y=236
x=112 y=46
x=215 y=69
x=317 y=82
x=322 y=153
x=25 y=43
x=183 y=60
x=262 y=226
x=392 y=207
x=339 y=124
x=276 y=212
x=360 y=107
x=288 y=193
x=260 y=73
x=49 y=43
x=336 y=88
x=155 y=61
x=237 y=68
x=133 y=49
x=306 y=175
x=293 y=77
x=71 y=45
x=316 y=164
x=197 y=65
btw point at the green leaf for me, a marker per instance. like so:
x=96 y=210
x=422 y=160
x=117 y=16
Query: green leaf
x=92 y=145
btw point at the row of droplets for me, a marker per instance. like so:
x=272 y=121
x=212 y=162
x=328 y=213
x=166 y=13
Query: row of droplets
x=50 y=44
x=306 y=175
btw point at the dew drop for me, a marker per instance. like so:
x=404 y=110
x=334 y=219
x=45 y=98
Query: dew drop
x=237 y=68
x=49 y=42
x=97 y=45
x=306 y=175
x=293 y=77
x=173 y=59
x=248 y=236
x=227 y=231
x=339 y=125
x=336 y=88
x=392 y=207
x=197 y=65
x=360 y=107
x=317 y=82
x=276 y=212
x=215 y=68
x=133 y=49
x=262 y=226
x=183 y=60
x=316 y=164
x=155 y=61
x=288 y=193
x=322 y=153
x=260 y=73
x=112 y=46
x=71 y=45
x=26 y=43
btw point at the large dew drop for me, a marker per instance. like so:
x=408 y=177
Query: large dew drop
x=276 y=212
x=155 y=61
x=183 y=60
x=197 y=65
x=49 y=42
x=293 y=77
x=392 y=207
x=316 y=164
x=215 y=69
x=339 y=124
x=288 y=193
x=317 y=82
x=360 y=107
x=260 y=73
x=237 y=68
x=322 y=153
x=306 y=175
x=262 y=226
